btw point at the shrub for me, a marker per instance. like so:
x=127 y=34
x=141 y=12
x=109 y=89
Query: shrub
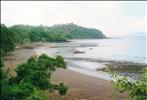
x=32 y=78
x=137 y=89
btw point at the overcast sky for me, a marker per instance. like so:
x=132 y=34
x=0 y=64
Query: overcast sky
x=111 y=17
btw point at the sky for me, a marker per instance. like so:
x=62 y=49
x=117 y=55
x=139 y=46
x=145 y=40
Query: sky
x=111 y=17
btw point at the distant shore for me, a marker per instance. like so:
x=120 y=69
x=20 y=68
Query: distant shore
x=81 y=87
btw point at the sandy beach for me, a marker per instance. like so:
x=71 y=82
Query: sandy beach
x=80 y=86
x=83 y=87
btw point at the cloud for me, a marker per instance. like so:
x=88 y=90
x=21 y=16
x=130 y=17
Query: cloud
x=104 y=15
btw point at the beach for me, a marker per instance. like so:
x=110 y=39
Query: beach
x=80 y=86
x=75 y=50
x=83 y=87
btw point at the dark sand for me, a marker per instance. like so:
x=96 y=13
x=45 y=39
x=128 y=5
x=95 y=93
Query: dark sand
x=83 y=87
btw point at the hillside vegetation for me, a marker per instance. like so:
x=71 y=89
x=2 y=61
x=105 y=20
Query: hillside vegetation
x=22 y=34
x=72 y=31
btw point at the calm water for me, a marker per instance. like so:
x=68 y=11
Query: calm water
x=122 y=49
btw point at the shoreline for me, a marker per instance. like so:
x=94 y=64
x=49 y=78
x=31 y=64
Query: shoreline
x=81 y=87
x=84 y=87
x=106 y=61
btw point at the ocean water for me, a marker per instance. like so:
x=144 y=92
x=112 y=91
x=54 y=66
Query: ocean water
x=122 y=49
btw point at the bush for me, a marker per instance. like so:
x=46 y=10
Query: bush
x=32 y=78
x=62 y=89
x=137 y=89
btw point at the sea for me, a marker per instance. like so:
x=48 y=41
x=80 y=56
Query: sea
x=119 y=49
x=82 y=55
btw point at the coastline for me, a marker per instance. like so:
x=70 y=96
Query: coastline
x=81 y=87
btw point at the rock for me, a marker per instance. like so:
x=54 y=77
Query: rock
x=78 y=52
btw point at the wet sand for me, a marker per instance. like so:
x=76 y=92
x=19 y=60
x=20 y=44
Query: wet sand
x=80 y=86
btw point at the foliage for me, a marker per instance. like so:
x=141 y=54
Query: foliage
x=137 y=89
x=1 y=62
x=22 y=34
x=62 y=89
x=36 y=95
x=18 y=91
x=7 y=43
x=32 y=78
x=72 y=31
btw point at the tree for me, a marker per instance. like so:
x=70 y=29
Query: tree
x=32 y=78
x=7 y=43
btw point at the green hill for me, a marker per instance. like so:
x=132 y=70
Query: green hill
x=72 y=31
x=22 y=34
